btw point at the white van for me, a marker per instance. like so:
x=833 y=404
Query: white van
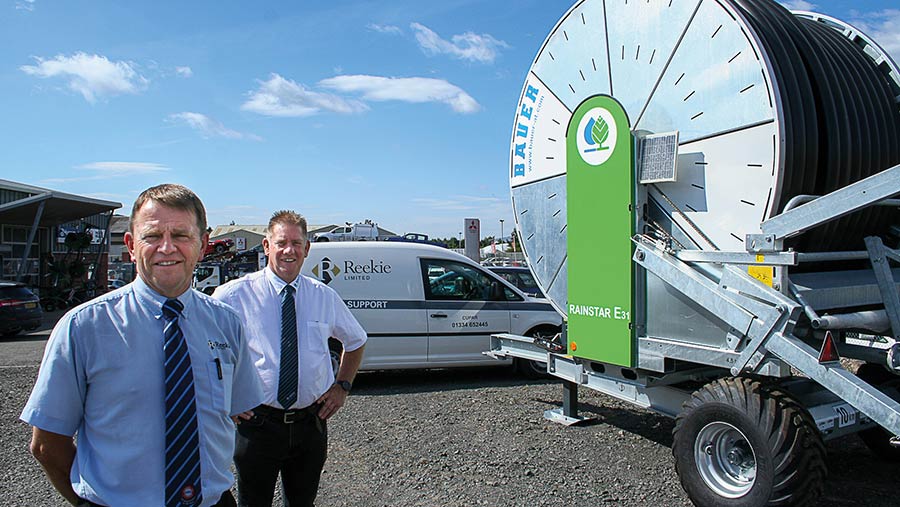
x=427 y=307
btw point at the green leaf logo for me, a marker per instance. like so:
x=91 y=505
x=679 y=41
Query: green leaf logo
x=600 y=132
x=596 y=133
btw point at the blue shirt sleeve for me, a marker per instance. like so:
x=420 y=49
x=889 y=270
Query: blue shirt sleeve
x=57 y=400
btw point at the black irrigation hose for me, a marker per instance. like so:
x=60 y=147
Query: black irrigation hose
x=842 y=123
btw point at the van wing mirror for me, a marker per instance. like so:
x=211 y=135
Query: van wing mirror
x=497 y=291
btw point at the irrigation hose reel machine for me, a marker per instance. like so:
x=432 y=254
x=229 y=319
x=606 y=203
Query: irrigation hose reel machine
x=656 y=147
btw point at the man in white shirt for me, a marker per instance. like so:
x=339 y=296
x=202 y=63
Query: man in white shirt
x=289 y=319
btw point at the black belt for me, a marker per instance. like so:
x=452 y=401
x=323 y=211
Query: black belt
x=226 y=500
x=287 y=416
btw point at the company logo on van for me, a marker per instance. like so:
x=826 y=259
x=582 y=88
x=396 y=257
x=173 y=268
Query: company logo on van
x=326 y=271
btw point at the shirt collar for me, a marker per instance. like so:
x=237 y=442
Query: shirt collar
x=154 y=300
x=278 y=284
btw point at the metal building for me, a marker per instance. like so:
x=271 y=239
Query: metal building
x=34 y=224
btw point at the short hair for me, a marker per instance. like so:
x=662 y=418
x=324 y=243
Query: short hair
x=287 y=217
x=174 y=196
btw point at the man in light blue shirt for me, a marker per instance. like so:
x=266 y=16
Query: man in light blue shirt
x=105 y=377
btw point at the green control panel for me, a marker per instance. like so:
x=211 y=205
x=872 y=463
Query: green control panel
x=600 y=189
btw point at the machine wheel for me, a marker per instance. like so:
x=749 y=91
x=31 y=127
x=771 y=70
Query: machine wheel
x=740 y=443
x=878 y=439
x=220 y=249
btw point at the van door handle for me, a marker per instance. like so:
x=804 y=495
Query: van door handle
x=438 y=315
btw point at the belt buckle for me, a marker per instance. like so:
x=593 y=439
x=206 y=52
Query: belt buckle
x=290 y=416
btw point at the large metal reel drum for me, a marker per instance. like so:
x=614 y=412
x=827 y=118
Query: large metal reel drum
x=745 y=83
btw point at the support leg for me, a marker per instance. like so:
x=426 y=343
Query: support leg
x=568 y=414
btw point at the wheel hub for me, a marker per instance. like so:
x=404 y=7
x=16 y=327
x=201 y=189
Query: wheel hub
x=725 y=460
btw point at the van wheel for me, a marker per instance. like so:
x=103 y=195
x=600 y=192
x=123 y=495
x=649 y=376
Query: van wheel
x=335 y=350
x=533 y=370
x=536 y=369
x=878 y=439
x=739 y=443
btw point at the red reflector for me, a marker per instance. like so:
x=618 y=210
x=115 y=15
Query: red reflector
x=829 y=350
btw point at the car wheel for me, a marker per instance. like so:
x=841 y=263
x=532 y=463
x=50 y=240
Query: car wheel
x=739 y=443
x=335 y=350
x=536 y=369
x=220 y=249
x=10 y=334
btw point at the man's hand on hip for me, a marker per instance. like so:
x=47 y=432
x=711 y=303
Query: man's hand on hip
x=332 y=401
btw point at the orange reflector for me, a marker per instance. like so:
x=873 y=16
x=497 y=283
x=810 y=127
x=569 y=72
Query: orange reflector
x=573 y=346
x=829 y=350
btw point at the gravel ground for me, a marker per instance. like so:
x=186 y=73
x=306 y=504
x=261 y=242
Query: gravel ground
x=465 y=438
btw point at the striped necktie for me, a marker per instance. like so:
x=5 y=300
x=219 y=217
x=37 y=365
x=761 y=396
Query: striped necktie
x=182 y=439
x=287 y=375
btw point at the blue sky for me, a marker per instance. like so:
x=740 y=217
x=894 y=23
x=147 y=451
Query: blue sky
x=391 y=110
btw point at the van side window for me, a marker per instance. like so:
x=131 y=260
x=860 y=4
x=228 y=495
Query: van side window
x=454 y=281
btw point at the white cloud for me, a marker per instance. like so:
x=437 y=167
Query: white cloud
x=124 y=168
x=462 y=203
x=411 y=89
x=209 y=127
x=468 y=46
x=884 y=28
x=388 y=29
x=282 y=97
x=184 y=71
x=90 y=75
x=25 y=5
x=106 y=170
x=798 y=5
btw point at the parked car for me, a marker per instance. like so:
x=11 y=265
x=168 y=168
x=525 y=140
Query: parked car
x=218 y=246
x=115 y=283
x=415 y=237
x=19 y=309
x=427 y=307
x=521 y=278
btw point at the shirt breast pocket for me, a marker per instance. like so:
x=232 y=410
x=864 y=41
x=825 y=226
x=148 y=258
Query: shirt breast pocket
x=221 y=375
x=316 y=347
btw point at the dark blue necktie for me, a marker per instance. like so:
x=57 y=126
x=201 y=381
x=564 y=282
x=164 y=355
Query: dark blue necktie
x=287 y=374
x=182 y=438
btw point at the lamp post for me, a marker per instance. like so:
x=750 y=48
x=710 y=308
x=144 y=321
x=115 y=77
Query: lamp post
x=459 y=243
x=501 y=230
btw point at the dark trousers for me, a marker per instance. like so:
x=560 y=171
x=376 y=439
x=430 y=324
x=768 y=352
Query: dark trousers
x=226 y=500
x=266 y=445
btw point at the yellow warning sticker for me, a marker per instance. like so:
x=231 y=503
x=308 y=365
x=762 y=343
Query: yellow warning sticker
x=762 y=273
x=760 y=258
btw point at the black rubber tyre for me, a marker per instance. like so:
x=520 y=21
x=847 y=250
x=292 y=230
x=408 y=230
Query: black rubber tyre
x=878 y=439
x=220 y=249
x=741 y=443
x=10 y=334
x=335 y=350
x=535 y=370
x=322 y=240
